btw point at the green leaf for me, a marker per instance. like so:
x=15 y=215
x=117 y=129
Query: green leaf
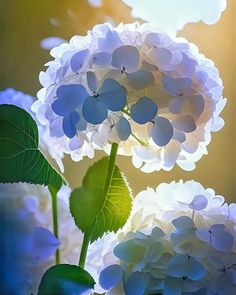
x=20 y=158
x=96 y=212
x=65 y=279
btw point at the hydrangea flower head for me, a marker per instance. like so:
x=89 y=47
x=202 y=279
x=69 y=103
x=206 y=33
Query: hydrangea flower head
x=156 y=96
x=190 y=252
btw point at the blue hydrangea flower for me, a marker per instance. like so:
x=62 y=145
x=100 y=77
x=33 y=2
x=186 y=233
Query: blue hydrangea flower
x=158 y=98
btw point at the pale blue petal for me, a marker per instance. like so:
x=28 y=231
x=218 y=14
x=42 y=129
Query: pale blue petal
x=125 y=57
x=199 y=202
x=161 y=131
x=175 y=86
x=137 y=283
x=185 y=266
x=183 y=222
x=69 y=124
x=162 y=58
x=140 y=79
x=102 y=58
x=75 y=143
x=129 y=251
x=78 y=59
x=175 y=105
x=203 y=235
x=92 y=81
x=172 y=286
x=111 y=276
x=69 y=97
x=184 y=123
x=110 y=41
x=222 y=240
x=144 y=110
x=44 y=243
x=93 y=110
x=153 y=39
x=123 y=129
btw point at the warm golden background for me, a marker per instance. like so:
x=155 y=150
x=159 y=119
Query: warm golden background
x=24 y=23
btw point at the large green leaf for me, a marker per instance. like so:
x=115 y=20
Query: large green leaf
x=20 y=158
x=65 y=279
x=95 y=211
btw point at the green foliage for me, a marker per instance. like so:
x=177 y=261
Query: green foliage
x=97 y=211
x=65 y=279
x=20 y=158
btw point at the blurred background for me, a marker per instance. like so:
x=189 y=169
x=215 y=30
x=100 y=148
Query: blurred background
x=24 y=23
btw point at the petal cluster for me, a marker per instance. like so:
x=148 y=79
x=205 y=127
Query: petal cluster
x=188 y=249
x=156 y=96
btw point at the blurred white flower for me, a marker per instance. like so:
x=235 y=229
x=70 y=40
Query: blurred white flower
x=171 y=15
x=95 y=3
x=25 y=210
x=46 y=142
x=158 y=97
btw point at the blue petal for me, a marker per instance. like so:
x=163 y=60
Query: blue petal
x=110 y=41
x=183 y=222
x=184 y=123
x=125 y=57
x=161 y=131
x=92 y=81
x=78 y=59
x=113 y=96
x=185 y=266
x=203 y=235
x=222 y=240
x=69 y=97
x=199 y=202
x=144 y=110
x=140 y=79
x=162 y=58
x=69 y=124
x=111 y=276
x=44 y=243
x=102 y=58
x=137 y=283
x=129 y=251
x=93 y=110
x=172 y=286
x=123 y=129
x=175 y=86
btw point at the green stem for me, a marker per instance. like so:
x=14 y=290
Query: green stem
x=109 y=175
x=84 y=250
x=110 y=167
x=53 y=190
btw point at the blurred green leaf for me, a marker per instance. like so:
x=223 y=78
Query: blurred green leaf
x=20 y=158
x=96 y=212
x=65 y=279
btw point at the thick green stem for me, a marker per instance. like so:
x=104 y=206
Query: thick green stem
x=53 y=190
x=84 y=250
x=109 y=174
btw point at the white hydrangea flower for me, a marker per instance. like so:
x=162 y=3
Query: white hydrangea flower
x=171 y=15
x=46 y=142
x=180 y=239
x=158 y=97
x=169 y=201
